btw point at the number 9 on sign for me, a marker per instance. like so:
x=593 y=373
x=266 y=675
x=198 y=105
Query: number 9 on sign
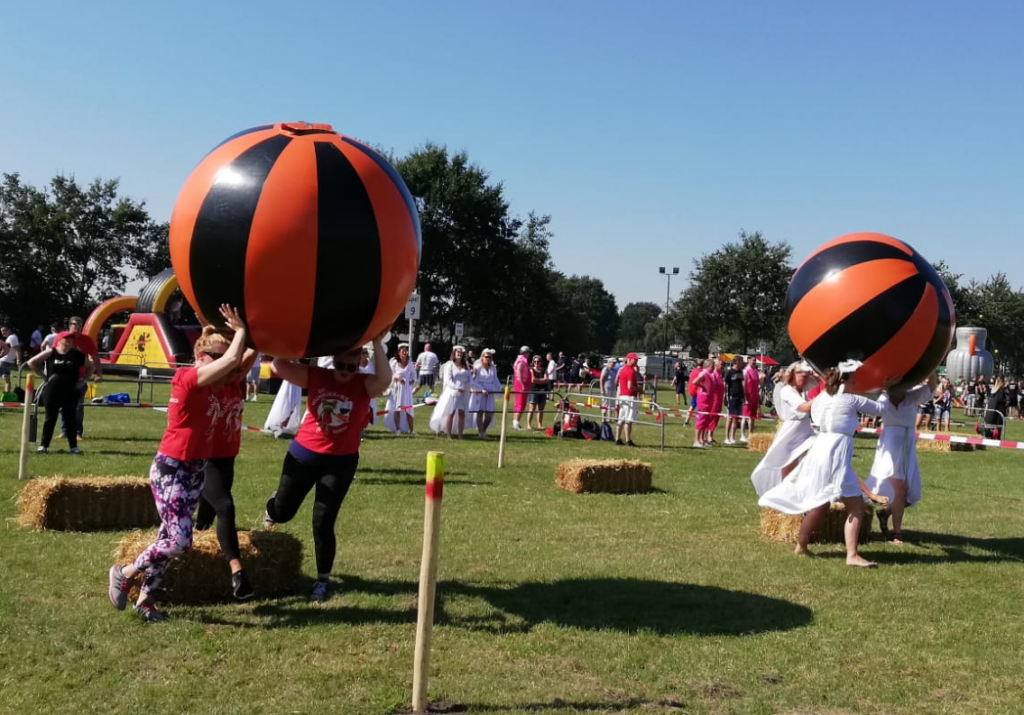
x=412 y=308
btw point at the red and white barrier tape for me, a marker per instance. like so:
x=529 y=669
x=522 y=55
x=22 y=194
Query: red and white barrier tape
x=955 y=438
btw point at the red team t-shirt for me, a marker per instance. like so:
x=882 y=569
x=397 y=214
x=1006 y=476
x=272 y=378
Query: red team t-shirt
x=626 y=374
x=336 y=413
x=227 y=433
x=192 y=416
x=85 y=345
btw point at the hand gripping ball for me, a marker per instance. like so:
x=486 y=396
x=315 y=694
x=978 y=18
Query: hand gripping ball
x=312 y=235
x=872 y=298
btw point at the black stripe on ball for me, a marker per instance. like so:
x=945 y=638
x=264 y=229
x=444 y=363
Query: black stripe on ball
x=410 y=203
x=221 y=234
x=242 y=133
x=874 y=324
x=837 y=258
x=348 y=262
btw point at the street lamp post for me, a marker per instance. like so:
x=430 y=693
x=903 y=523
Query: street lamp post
x=668 y=291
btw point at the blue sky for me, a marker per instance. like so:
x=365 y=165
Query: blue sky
x=651 y=132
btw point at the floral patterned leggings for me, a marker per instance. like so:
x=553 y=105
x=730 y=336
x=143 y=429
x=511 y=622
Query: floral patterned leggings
x=177 y=486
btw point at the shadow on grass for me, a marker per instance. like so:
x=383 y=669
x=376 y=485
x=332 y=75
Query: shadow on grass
x=955 y=549
x=659 y=705
x=627 y=605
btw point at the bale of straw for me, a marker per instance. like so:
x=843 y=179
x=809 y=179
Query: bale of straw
x=272 y=559
x=931 y=445
x=760 y=442
x=87 y=503
x=615 y=476
x=776 y=526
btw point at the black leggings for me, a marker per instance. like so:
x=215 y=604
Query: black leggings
x=331 y=482
x=218 y=502
x=60 y=404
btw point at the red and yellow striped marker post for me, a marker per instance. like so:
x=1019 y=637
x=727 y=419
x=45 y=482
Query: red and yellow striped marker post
x=23 y=460
x=428 y=580
x=501 y=439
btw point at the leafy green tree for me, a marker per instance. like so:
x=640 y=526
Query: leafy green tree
x=67 y=247
x=633 y=326
x=738 y=289
x=587 y=318
x=965 y=302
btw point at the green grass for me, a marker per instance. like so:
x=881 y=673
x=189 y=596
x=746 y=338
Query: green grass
x=547 y=602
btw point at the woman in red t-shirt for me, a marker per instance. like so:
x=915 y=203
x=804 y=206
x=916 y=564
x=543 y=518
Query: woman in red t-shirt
x=176 y=475
x=216 y=500
x=325 y=452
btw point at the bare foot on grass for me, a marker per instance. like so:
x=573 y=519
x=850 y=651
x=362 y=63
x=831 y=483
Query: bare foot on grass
x=802 y=551
x=860 y=562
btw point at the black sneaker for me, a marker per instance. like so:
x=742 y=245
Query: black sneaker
x=320 y=591
x=149 y=614
x=241 y=589
x=620 y=443
x=630 y=443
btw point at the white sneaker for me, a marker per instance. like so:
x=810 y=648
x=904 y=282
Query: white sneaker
x=699 y=445
x=730 y=442
x=517 y=427
x=744 y=440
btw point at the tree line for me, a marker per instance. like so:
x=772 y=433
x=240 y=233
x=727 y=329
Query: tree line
x=66 y=247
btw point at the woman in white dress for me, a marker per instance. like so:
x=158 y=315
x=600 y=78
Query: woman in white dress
x=825 y=475
x=794 y=436
x=895 y=473
x=403 y=383
x=450 y=411
x=483 y=386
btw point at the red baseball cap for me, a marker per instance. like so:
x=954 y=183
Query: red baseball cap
x=66 y=334
x=632 y=356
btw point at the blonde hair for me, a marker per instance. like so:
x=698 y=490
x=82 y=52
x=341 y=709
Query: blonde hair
x=212 y=336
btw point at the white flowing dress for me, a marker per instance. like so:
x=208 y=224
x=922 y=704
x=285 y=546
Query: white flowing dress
x=455 y=395
x=401 y=394
x=825 y=475
x=792 y=440
x=482 y=378
x=896 y=453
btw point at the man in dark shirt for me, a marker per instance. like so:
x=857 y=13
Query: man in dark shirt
x=735 y=396
x=679 y=381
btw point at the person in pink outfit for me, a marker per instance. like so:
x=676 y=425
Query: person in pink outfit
x=717 y=398
x=703 y=386
x=522 y=382
x=752 y=388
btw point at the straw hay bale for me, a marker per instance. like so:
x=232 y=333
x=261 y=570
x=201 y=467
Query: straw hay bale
x=931 y=445
x=273 y=560
x=615 y=476
x=87 y=503
x=785 y=527
x=760 y=442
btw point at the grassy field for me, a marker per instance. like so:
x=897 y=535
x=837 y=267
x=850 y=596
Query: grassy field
x=548 y=602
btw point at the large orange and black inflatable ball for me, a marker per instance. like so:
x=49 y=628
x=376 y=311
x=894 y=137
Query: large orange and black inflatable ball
x=872 y=298
x=311 y=234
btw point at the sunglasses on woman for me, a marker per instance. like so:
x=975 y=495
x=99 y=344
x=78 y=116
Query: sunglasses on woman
x=347 y=366
x=213 y=355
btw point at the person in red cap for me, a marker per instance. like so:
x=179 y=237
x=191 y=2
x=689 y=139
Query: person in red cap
x=66 y=370
x=629 y=387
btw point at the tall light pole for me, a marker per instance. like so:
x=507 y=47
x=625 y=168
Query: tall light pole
x=668 y=291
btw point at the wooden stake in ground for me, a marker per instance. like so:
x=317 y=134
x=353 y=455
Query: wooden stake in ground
x=23 y=461
x=428 y=580
x=501 y=439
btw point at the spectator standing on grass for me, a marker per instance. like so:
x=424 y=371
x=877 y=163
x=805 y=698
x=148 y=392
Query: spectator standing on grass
x=10 y=355
x=62 y=364
x=483 y=386
x=400 y=397
x=702 y=387
x=552 y=369
x=981 y=393
x=717 y=397
x=252 y=379
x=178 y=470
x=521 y=382
x=538 y=392
x=752 y=382
x=426 y=366
x=609 y=388
x=35 y=342
x=679 y=381
x=943 y=404
x=217 y=500
x=629 y=389
x=735 y=388
x=88 y=347
x=50 y=336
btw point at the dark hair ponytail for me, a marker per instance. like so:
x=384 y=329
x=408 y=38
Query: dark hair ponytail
x=833 y=379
